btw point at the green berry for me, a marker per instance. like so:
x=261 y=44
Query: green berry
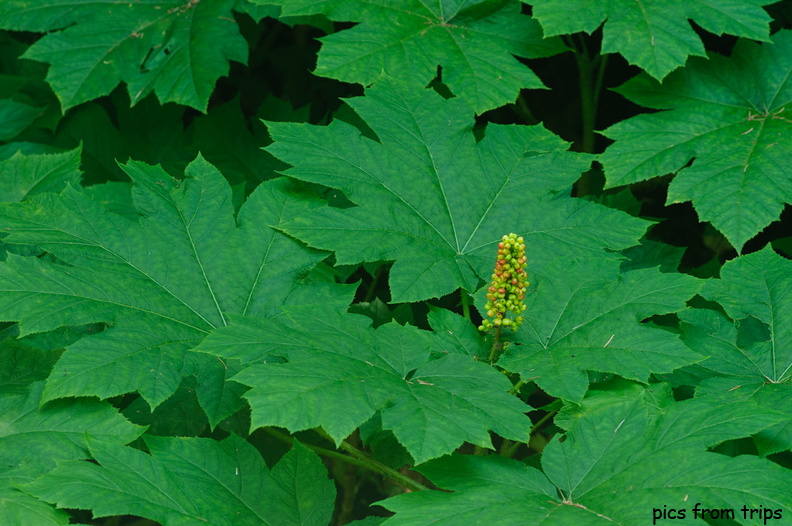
x=507 y=289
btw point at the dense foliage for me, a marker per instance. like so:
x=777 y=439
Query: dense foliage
x=402 y=262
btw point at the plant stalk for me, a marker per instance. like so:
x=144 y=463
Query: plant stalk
x=495 y=345
x=516 y=387
x=379 y=467
x=542 y=420
x=348 y=480
x=319 y=450
x=465 y=304
x=509 y=448
x=590 y=89
x=522 y=110
x=372 y=290
x=357 y=457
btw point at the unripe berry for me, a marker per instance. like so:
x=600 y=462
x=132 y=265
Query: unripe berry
x=507 y=290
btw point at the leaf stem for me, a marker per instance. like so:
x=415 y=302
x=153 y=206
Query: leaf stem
x=542 y=420
x=320 y=450
x=588 y=97
x=516 y=387
x=465 y=304
x=372 y=289
x=522 y=110
x=357 y=457
x=349 y=486
x=509 y=448
x=590 y=89
x=375 y=465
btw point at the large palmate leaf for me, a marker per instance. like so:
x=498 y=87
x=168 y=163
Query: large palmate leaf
x=194 y=481
x=174 y=48
x=473 y=42
x=436 y=201
x=620 y=460
x=732 y=117
x=339 y=372
x=164 y=280
x=750 y=355
x=583 y=317
x=654 y=34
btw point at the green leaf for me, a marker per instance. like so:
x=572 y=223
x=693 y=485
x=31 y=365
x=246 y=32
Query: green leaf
x=259 y=9
x=652 y=254
x=164 y=280
x=21 y=365
x=19 y=508
x=769 y=396
x=15 y=117
x=732 y=117
x=114 y=196
x=460 y=334
x=585 y=316
x=618 y=462
x=175 y=49
x=232 y=480
x=340 y=372
x=224 y=139
x=219 y=397
x=22 y=176
x=760 y=285
x=749 y=355
x=656 y=36
x=149 y=132
x=180 y=415
x=434 y=200
x=474 y=43
x=32 y=438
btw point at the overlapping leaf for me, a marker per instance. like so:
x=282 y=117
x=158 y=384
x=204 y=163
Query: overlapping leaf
x=33 y=438
x=339 y=372
x=458 y=333
x=584 y=315
x=163 y=280
x=473 y=42
x=436 y=201
x=619 y=460
x=15 y=116
x=174 y=48
x=733 y=118
x=656 y=34
x=194 y=481
x=750 y=355
x=21 y=365
x=22 y=176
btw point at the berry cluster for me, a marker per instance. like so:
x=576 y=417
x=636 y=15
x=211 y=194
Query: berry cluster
x=507 y=290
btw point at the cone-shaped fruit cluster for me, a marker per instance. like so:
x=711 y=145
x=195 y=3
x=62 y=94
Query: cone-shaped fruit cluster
x=507 y=290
